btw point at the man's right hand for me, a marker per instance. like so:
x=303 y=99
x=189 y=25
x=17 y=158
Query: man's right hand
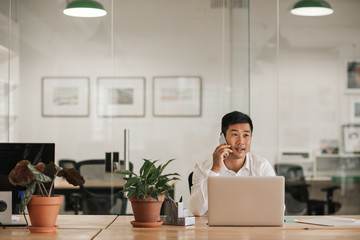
x=218 y=156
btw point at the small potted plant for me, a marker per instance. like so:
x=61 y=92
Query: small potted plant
x=44 y=207
x=147 y=191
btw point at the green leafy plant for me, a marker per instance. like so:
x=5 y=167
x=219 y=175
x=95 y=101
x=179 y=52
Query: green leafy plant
x=150 y=181
x=33 y=177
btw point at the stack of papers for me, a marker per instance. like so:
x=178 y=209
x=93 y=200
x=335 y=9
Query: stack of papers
x=331 y=221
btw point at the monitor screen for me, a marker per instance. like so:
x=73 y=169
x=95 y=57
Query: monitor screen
x=12 y=153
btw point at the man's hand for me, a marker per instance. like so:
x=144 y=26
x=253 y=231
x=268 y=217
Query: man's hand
x=218 y=156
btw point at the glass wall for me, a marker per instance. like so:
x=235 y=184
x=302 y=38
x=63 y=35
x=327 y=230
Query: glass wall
x=304 y=95
x=169 y=70
x=166 y=70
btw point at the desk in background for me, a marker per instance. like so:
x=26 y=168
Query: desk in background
x=62 y=187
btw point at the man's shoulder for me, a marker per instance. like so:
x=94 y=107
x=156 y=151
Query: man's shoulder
x=207 y=164
x=257 y=158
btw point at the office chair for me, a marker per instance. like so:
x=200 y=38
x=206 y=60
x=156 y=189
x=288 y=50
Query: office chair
x=190 y=181
x=297 y=194
x=67 y=163
x=99 y=200
x=71 y=199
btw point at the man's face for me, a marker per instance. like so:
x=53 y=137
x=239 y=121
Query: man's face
x=239 y=137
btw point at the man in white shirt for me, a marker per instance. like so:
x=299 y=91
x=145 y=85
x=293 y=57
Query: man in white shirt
x=229 y=159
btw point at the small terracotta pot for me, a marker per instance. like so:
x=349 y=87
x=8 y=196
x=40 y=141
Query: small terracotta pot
x=43 y=212
x=147 y=210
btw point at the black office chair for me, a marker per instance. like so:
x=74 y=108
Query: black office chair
x=67 y=163
x=99 y=200
x=71 y=199
x=297 y=194
x=190 y=180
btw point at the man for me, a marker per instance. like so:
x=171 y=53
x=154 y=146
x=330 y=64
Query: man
x=229 y=159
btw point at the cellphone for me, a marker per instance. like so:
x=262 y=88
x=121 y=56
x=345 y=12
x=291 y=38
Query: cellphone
x=222 y=139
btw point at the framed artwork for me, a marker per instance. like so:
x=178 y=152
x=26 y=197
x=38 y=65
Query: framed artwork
x=351 y=138
x=353 y=77
x=121 y=96
x=65 y=97
x=355 y=110
x=177 y=96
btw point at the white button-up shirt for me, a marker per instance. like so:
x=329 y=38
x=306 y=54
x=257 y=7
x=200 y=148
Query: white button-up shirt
x=254 y=166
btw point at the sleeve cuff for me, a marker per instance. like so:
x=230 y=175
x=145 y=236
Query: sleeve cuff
x=211 y=173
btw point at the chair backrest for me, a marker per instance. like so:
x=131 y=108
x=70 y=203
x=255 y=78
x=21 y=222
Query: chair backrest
x=296 y=188
x=289 y=171
x=92 y=169
x=100 y=200
x=67 y=163
x=98 y=203
x=95 y=168
x=190 y=180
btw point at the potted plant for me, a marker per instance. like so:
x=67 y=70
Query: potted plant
x=147 y=191
x=44 y=207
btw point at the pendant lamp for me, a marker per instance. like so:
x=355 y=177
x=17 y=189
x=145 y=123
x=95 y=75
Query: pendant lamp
x=84 y=8
x=312 y=8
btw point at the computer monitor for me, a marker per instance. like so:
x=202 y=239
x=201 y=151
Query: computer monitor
x=12 y=153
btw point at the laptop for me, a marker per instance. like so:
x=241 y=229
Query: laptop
x=246 y=201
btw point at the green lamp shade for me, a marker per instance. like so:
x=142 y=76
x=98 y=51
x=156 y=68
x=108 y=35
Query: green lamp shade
x=312 y=8
x=84 y=8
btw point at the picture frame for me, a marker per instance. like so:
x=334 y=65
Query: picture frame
x=121 y=96
x=352 y=77
x=177 y=96
x=351 y=138
x=65 y=97
x=355 y=110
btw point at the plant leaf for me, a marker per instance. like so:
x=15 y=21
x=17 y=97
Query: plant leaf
x=130 y=182
x=27 y=196
x=131 y=193
x=126 y=172
x=164 y=166
x=38 y=175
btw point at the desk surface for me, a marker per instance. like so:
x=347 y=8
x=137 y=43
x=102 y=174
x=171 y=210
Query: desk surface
x=61 y=183
x=119 y=227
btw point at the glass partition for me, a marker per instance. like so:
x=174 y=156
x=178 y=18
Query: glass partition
x=167 y=71
x=304 y=91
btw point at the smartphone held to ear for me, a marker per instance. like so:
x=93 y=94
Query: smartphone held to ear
x=222 y=140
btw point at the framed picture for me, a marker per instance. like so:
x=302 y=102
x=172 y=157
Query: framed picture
x=121 y=96
x=353 y=77
x=351 y=138
x=65 y=96
x=177 y=96
x=355 y=110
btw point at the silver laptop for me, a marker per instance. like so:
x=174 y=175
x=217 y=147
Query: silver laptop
x=246 y=201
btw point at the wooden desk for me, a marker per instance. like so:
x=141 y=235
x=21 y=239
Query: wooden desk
x=119 y=227
x=62 y=184
x=70 y=227
x=63 y=234
x=290 y=230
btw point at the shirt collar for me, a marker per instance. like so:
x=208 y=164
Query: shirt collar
x=247 y=161
x=246 y=165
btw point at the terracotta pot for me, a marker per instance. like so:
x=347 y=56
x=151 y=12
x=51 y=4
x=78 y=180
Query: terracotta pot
x=43 y=212
x=147 y=210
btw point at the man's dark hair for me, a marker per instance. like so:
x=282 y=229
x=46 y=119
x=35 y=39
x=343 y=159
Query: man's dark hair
x=234 y=118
